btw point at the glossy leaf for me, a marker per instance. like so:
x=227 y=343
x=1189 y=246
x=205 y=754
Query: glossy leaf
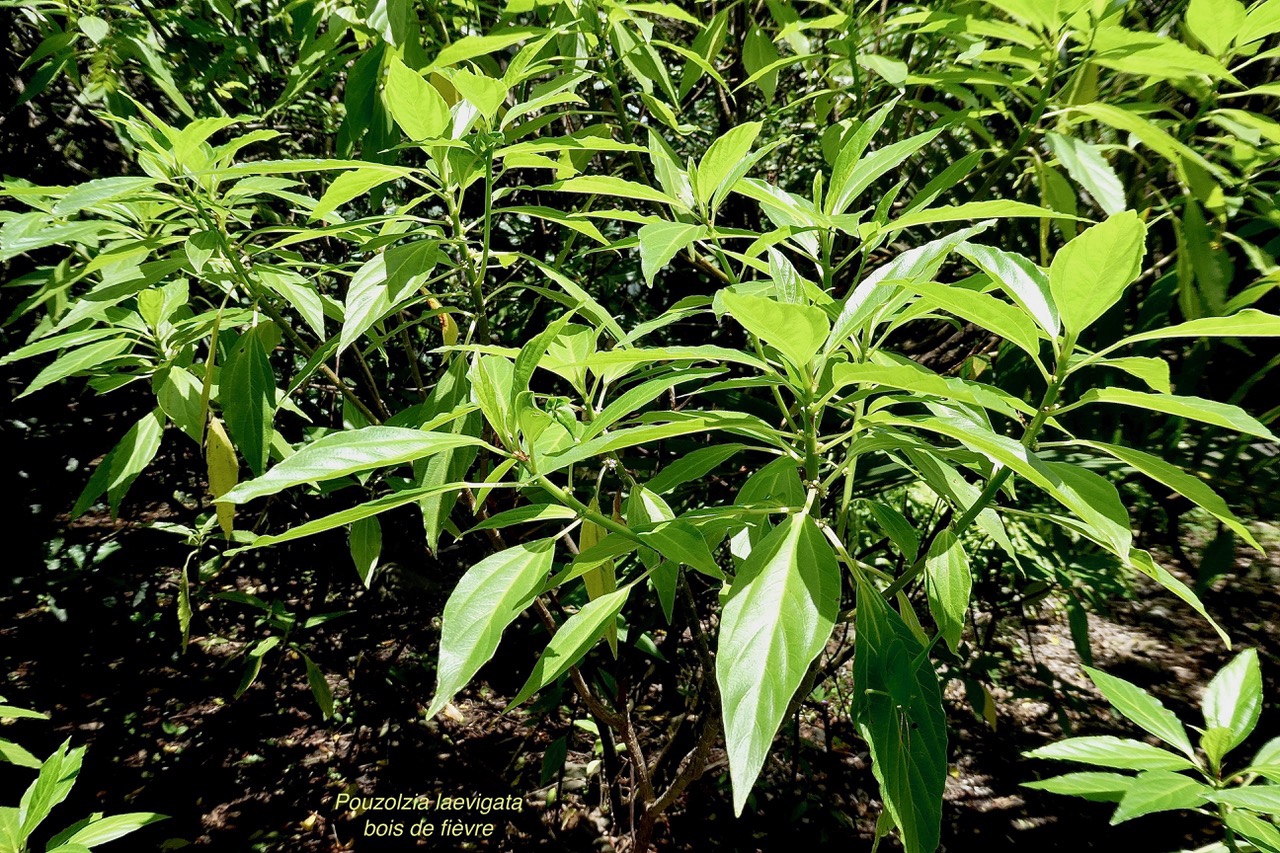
x=382 y=283
x=247 y=395
x=1195 y=408
x=573 y=640
x=780 y=612
x=1160 y=791
x=489 y=597
x=797 y=331
x=119 y=468
x=1233 y=699
x=1096 y=787
x=722 y=158
x=1090 y=273
x=662 y=241
x=414 y=103
x=1185 y=484
x=898 y=711
x=349 y=452
x=1109 y=751
x=1143 y=709
x=949 y=583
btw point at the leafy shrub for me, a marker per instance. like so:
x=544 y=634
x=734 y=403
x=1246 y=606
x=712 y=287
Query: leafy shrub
x=56 y=776
x=1166 y=780
x=541 y=284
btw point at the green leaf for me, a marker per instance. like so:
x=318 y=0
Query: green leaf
x=365 y=542
x=691 y=466
x=898 y=711
x=797 y=331
x=349 y=185
x=573 y=640
x=383 y=282
x=295 y=290
x=615 y=188
x=1263 y=20
x=414 y=103
x=1026 y=283
x=1155 y=56
x=1233 y=700
x=1256 y=798
x=113 y=827
x=1090 y=170
x=1160 y=791
x=1108 y=751
x=119 y=468
x=342 y=518
x=348 y=452
x=636 y=397
x=247 y=394
x=1195 y=408
x=1096 y=500
x=1005 y=320
x=1267 y=761
x=1089 y=274
x=849 y=178
x=178 y=394
x=1257 y=830
x=82 y=359
x=484 y=92
x=492 y=380
x=1091 y=497
x=56 y=342
x=1143 y=709
x=1187 y=485
x=662 y=241
x=900 y=531
x=15 y=754
x=722 y=158
x=1096 y=787
x=1153 y=371
x=680 y=542
x=95 y=192
x=1249 y=323
x=319 y=687
x=57 y=776
x=758 y=53
x=489 y=597
x=780 y=612
x=949 y=585
x=969 y=211
x=1143 y=562
x=10 y=712
x=525 y=515
x=910 y=376
x=910 y=267
x=1215 y=23
x=469 y=47
x=1215 y=742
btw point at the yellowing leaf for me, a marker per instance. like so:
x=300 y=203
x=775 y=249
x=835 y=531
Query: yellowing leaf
x=603 y=578
x=224 y=471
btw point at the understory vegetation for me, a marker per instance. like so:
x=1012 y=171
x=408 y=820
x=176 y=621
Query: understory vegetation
x=673 y=379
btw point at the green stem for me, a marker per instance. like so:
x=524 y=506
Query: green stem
x=586 y=512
